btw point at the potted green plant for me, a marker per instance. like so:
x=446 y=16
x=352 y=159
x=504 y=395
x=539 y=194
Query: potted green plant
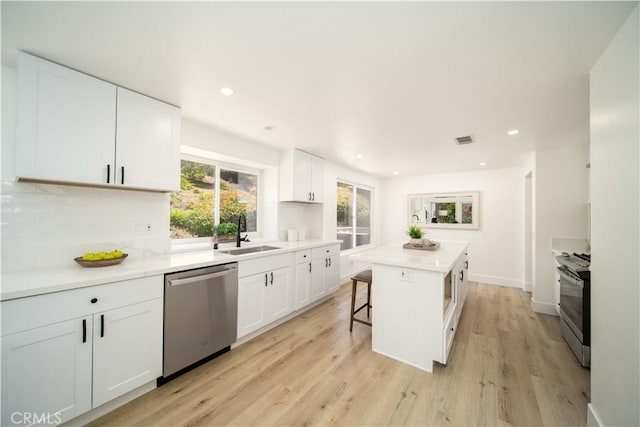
x=415 y=233
x=225 y=232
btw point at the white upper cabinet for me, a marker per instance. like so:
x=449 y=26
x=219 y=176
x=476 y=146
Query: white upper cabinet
x=147 y=142
x=301 y=177
x=66 y=124
x=73 y=128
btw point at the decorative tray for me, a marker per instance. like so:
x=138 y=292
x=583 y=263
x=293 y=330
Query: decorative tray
x=100 y=262
x=433 y=246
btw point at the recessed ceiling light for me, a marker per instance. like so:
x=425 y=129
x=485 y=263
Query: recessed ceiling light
x=513 y=132
x=227 y=91
x=395 y=172
x=359 y=156
x=483 y=164
x=269 y=128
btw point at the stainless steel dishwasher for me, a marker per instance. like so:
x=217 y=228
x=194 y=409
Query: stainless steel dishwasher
x=200 y=316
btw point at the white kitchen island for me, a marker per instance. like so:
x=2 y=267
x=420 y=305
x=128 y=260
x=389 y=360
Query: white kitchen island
x=417 y=298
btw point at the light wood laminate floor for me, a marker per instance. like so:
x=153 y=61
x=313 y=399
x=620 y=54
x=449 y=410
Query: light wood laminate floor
x=508 y=366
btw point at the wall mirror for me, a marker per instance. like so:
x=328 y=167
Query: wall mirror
x=445 y=210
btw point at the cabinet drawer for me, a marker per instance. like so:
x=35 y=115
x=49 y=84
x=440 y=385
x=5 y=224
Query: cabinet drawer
x=266 y=263
x=303 y=256
x=448 y=332
x=31 y=312
x=325 y=251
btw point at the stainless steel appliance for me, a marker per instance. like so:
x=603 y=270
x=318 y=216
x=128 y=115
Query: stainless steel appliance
x=200 y=316
x=575 y=304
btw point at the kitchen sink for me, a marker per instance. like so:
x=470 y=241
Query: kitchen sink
x=249 y=250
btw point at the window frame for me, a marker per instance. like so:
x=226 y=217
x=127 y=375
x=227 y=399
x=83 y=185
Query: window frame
x=218 y=165
x=354 y=214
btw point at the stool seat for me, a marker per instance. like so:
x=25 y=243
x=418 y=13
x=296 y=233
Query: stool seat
x=365 y=277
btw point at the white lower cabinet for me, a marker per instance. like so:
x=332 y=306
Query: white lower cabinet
x=68 y=352
x=325 y=271
x=266 y=296
x=303 y=285
x=127 y=349
x=46 y=371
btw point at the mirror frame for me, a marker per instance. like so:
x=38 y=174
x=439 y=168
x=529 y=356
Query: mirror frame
x=475 y=210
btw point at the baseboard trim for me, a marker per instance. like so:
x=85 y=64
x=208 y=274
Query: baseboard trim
x=543 y=307
x=593 y=420
x=528 y=287
x=94 y=414
x=495 y=280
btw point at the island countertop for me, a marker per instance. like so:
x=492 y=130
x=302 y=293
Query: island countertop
x=441 y=260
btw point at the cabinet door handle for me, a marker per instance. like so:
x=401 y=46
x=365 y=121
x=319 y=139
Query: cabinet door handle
x=309 y=195
x=101 y=325
x=94 y=300
x=266 y=279
x=466 y=264
x=272 y=277
x=326 y=262
x=122 y=176
x=108 y=173
x=313 y=196
x=84 y=330
x=329 y=262
x=309 y=267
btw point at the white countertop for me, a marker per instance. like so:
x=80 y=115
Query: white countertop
x=20 y=284
x=441 y=260
x=570 y=245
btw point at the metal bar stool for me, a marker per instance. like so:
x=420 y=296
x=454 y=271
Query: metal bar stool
x=363 y=276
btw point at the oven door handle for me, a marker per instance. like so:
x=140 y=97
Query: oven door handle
x=566 y=275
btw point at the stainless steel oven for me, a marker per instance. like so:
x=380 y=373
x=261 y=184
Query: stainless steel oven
x=575 y=301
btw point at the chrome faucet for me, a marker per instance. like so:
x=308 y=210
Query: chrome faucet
x=242 y=221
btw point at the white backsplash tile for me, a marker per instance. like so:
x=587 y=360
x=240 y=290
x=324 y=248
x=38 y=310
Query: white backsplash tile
x=45 y=225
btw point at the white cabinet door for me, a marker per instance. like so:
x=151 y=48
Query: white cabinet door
x=318 y=267
x=317 y=179
x=252 y=310
x=127 y=349
x=332 y=274
x=302 y=166
x=301 y=177
x=303 y=285
x=279 y=293
x=47 y=370
x=66 y=124
x=147 y=143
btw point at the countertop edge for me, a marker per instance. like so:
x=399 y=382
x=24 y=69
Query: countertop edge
x=445 y=268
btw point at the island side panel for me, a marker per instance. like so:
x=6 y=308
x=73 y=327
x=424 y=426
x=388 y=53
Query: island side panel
x=407 y=314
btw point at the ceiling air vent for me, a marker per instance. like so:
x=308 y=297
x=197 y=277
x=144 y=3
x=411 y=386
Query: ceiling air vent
x=464 y=140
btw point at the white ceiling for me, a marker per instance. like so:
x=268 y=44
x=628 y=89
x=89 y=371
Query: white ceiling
x=396 y=82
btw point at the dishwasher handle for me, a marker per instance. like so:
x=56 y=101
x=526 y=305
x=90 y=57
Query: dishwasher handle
x=186 y=281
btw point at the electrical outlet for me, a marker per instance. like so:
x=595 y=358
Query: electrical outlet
x=142 y=227
x=406 y=275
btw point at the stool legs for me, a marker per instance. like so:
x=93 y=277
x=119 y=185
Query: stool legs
x=354 y=289
x=353 y=303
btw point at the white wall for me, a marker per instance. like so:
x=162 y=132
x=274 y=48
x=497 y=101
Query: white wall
x=561 y=178
x=615 y=213
x=496 y=249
